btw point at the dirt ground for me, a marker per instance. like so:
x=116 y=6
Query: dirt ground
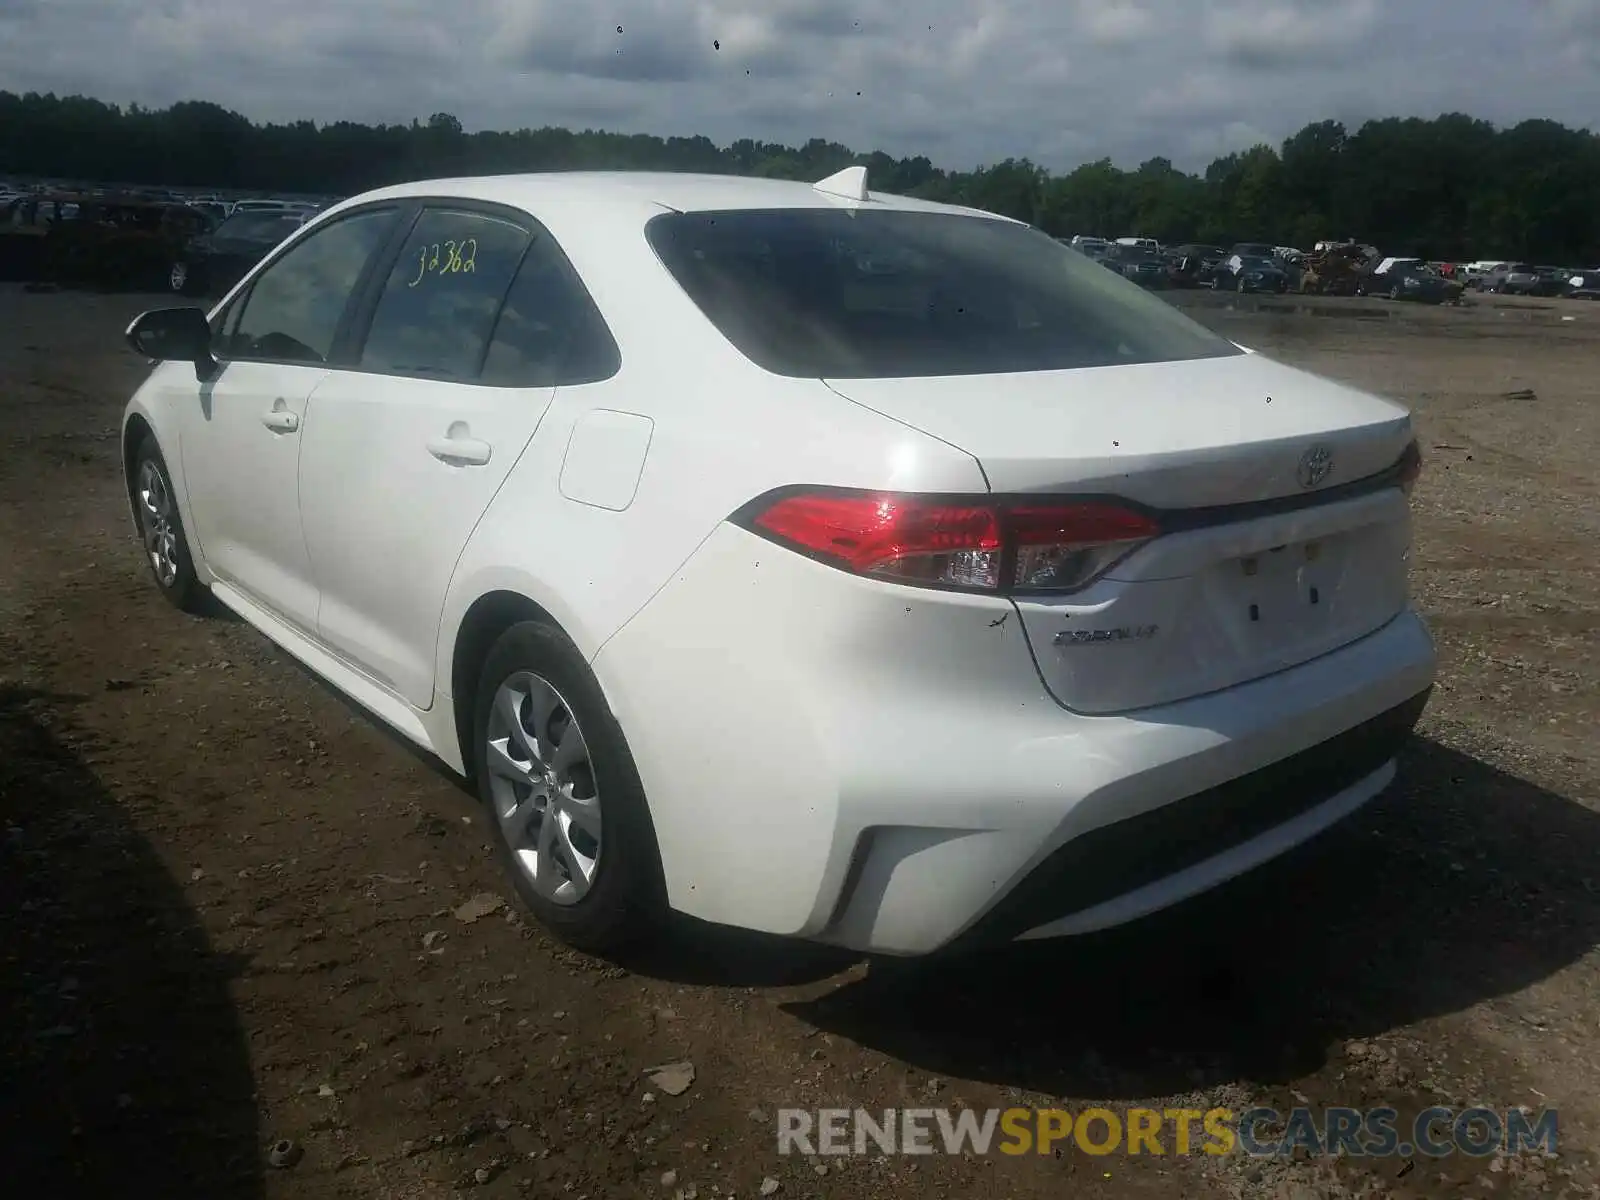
x=227 y=898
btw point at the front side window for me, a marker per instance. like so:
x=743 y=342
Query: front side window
x=294 y=307
x=437 y=311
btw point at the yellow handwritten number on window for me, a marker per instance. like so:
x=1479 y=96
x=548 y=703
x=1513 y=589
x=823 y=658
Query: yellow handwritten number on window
x=459 y=258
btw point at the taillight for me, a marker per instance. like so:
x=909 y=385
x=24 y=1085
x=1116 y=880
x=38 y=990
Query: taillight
x=1410 y=467
x=989 y=545
x=1060 y=547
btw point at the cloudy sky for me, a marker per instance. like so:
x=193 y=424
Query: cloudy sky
x=963 y=81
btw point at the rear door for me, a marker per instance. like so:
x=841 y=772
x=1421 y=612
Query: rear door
x=467 y=339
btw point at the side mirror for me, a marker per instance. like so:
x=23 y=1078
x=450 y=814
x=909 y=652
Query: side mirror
x=174 y=335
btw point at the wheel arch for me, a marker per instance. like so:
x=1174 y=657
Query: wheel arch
x=135 y=430
x=485 y=619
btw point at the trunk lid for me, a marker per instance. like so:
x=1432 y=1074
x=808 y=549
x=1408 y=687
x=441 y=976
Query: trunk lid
x=1229 y=595
x=1171 y=435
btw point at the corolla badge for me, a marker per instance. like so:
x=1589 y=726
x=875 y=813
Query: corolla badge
x=1086 y=637
x=1316 y=464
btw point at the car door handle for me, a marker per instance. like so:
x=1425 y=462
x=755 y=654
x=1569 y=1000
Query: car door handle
x=280 y=422
x=468 y=451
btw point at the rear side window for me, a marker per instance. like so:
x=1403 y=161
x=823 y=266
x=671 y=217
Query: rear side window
x=437 y=310
x=549 y=332
x=853 y=294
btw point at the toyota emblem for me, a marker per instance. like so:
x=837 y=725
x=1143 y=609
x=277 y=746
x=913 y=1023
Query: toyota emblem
x=1316 y=464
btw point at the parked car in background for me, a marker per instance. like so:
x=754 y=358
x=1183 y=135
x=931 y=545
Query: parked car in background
x=1472 y=273
x=214 y=262
x=1552 y=280
x=25 y=222
x=1202 y=255
x=1145 y=267
x=1584 y=285
x=1410 y=279
x=102 y=240
x=697 y=594
x=262 y=205
x=1091 y=247
x=1513 y=279
x=1251 y=273
x=1254 y=250
x=1192 y=264
x=218 y=210
x=1148 y=244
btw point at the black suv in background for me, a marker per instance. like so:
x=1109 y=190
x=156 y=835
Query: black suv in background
x=213 y=263
x=1145 y=267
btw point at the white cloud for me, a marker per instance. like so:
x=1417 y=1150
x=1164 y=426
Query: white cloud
x=1115 y=22
x=962 y=81
x=1278 y=33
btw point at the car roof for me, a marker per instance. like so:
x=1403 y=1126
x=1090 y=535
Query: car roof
x=646 y=193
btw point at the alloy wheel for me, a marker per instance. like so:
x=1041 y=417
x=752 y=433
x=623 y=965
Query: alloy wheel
x=157 y=522
x=542 y=788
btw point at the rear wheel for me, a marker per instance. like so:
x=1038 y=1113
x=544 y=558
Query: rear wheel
x=566 y=806
x=181 y=279
x=166 y=548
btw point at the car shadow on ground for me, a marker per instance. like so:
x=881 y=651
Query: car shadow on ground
x=684 y=950
x=1461 y=885
x=123 y=1062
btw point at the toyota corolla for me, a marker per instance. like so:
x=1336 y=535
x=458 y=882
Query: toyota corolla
x=797 y=557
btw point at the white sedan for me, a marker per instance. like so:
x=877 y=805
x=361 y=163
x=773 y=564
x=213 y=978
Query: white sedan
x=797 y=557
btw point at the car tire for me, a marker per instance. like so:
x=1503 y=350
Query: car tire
x=183 y=279
x=592 y=877
x=161 y=532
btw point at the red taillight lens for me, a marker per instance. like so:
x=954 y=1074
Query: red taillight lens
x=992 y=546
x=1410 y=467
x=897 y=536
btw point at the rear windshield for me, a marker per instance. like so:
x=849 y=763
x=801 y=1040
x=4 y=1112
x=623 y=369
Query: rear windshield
x=862 y=294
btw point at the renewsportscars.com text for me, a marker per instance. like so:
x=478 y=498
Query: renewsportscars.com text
x=1375 y=1132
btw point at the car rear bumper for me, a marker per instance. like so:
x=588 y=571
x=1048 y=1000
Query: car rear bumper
x=880 y=767
x=1130 y=868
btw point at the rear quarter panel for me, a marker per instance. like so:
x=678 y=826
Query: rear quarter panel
x=722 y=432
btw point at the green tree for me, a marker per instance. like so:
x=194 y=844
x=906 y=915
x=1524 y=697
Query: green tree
x=1452 y=187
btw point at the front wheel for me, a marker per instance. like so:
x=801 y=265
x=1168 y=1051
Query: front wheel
x=564 y=799
x=166 y=548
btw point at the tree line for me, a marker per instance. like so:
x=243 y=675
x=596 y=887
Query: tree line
x=1453 y=187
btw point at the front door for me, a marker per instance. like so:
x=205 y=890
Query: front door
x=242 y=431
x=241 y=454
